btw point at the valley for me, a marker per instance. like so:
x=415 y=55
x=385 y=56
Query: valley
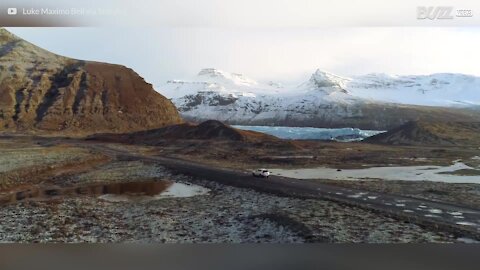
x=91 y=152
x=243 y=210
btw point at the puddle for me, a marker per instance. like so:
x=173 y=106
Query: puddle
x=109 y=191
x=408 y=173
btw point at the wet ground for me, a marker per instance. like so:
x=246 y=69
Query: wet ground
x=224 y=215
x=447 y=174
x=126 y=191
x=128 y=199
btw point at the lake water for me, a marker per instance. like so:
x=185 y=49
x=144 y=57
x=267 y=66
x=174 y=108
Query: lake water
x=309 y=133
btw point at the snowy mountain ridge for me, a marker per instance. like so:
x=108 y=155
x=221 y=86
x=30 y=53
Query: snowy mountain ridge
x=439 y=89
x=221 y=82
x=325 y=100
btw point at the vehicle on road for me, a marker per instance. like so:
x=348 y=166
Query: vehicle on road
x=261 y=173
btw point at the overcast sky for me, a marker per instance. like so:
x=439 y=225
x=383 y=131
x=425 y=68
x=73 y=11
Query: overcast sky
x=281 y=54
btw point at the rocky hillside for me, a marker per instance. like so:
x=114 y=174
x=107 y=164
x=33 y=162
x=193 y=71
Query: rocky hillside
x=44 y=92
x=325 y=100
x=208 y=130
x=428 y=133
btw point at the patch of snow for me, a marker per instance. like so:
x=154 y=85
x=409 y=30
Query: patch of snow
x=176 y=190
x=466 y=223
x=179 y=190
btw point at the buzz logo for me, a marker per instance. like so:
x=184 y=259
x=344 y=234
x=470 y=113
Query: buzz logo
x=434 y=13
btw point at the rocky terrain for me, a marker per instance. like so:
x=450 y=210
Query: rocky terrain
x=44 y=92
x=223 y=215
x=23 y=163
x=226 y=215
x=460 y=194
x=325 y=100
x=431 y=133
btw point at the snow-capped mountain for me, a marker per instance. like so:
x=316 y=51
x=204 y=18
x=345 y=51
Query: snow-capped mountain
x=373 y=101
x=226 y=78
x=214 y=80
x=440 y=89
x=325 y=82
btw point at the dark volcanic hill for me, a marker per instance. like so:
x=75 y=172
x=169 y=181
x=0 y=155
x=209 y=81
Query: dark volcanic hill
x=428 y=133
x=208 y=130
x=44 y=92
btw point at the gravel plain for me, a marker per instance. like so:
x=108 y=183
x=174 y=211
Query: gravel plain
x=224 y=215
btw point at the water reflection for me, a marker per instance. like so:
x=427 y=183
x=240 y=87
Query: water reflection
x=154 y=189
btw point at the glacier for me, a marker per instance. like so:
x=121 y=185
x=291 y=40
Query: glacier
x=310 y=133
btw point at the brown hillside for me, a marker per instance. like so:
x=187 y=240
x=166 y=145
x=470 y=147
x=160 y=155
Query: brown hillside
x=44 y=92
x=208 y=130
x=426 y=133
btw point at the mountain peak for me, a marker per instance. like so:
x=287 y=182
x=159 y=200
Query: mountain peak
x=327 y=82
x=42 y=91
x=322 y=75
x=220 y=76
x=212 y=72
x=6 y=36
x=324 y=72
x=16 y=51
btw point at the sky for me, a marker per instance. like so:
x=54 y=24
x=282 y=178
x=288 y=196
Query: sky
x=264 y=53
